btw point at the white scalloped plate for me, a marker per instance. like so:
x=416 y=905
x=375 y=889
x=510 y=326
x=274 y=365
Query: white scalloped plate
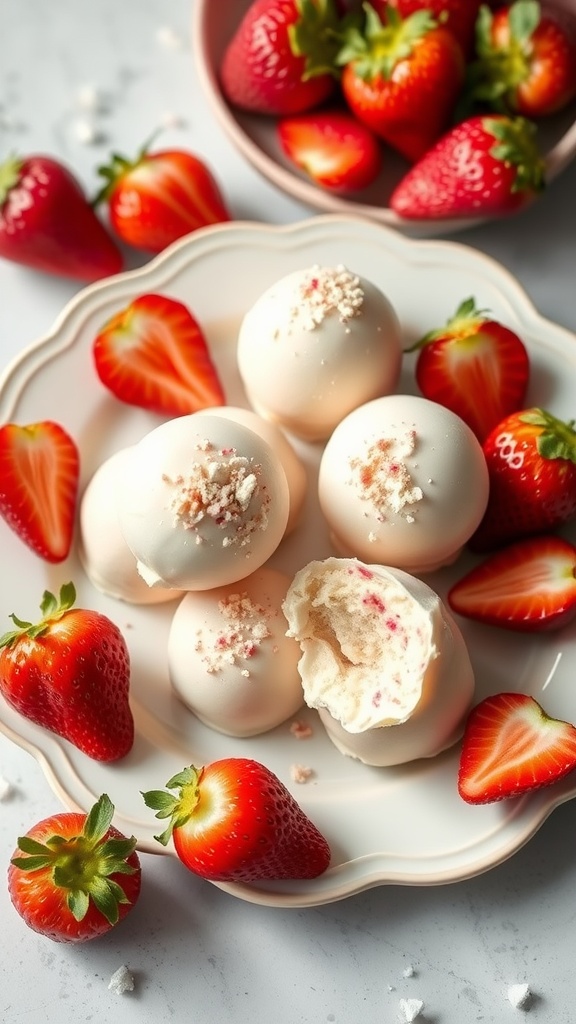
x=403 y=825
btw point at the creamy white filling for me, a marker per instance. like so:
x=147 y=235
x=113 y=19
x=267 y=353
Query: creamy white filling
x=368 y=640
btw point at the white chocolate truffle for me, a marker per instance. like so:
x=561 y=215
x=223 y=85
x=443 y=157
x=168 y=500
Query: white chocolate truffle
x=105 y=556
x=273 y=435
x=315 y=345
x=229 y=658
x=403 y=481
x=382 y=660
x=202 y=502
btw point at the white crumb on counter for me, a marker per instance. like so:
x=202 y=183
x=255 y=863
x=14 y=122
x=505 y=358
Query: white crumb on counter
x=89 y=98
x=5 y=788
x=169 y=38
x=172 y=120
x=121 y=981
x=87 y=133
x=410 y=1009
x=520 y=996
x=300 y=773
x=408 y=972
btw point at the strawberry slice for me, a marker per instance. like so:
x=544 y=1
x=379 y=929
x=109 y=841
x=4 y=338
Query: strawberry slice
x=153 y=354
x=334 y=149
x=39 y=472
x=474 y=366
x=529 y=585
x=510 y=747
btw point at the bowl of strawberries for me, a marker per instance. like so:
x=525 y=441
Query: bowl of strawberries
x=426 y=115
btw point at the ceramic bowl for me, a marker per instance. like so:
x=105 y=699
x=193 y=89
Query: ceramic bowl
x=254 y=136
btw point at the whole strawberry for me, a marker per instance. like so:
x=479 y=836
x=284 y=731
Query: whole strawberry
x=74 y=876
x=70 y=673
x=474 y=366
x=526 y=60
x=401 y=77
x=159 y=197
x=281 y=58
x=47 y=223
x=234 y=821
x=486 y=165
x=531 y=459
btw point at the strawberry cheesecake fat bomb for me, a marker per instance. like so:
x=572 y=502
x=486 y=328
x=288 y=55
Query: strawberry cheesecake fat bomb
x=382 y=660
x=202 y=502
x=316 y=344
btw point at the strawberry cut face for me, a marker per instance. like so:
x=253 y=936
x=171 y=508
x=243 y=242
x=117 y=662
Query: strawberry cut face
x=529 y=586
x=511 y=746
x=39 y=473
x=153 y=354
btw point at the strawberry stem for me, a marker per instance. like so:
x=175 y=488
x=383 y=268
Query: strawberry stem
x=557 y=439
x=377 y=48
x=178 y=808
x=52 y=609
x=10 y=171
x=119 y=166
x=500 y=69
x=315 y=36
x=83 y=864
x=466 y=320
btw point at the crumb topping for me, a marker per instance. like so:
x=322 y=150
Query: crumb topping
x=245 y=625
x=327 y=290
x=383 y=478
x=221 y=487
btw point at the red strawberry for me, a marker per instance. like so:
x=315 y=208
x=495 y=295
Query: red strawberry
x=530 y=586
x=47 y=223
x=402 y=78
x=531 y=459
x=74 y=876
x=235 y=821
x=281 y=57
x=153 y=354
x=510 y=747
x=474 y=366
x=485 y=165
x=159 y=197
x=333 y=148
x=39 y=471
x=526 y=59
x=70 y=673
x=457 y=15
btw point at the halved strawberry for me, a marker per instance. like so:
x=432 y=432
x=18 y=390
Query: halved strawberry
x=39 y=472
x=153 y=354
x=474 y=366
x=530 y=585
x=331 y=147
x=510 y=747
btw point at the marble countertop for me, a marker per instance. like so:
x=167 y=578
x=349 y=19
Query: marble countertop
x=197 y=953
